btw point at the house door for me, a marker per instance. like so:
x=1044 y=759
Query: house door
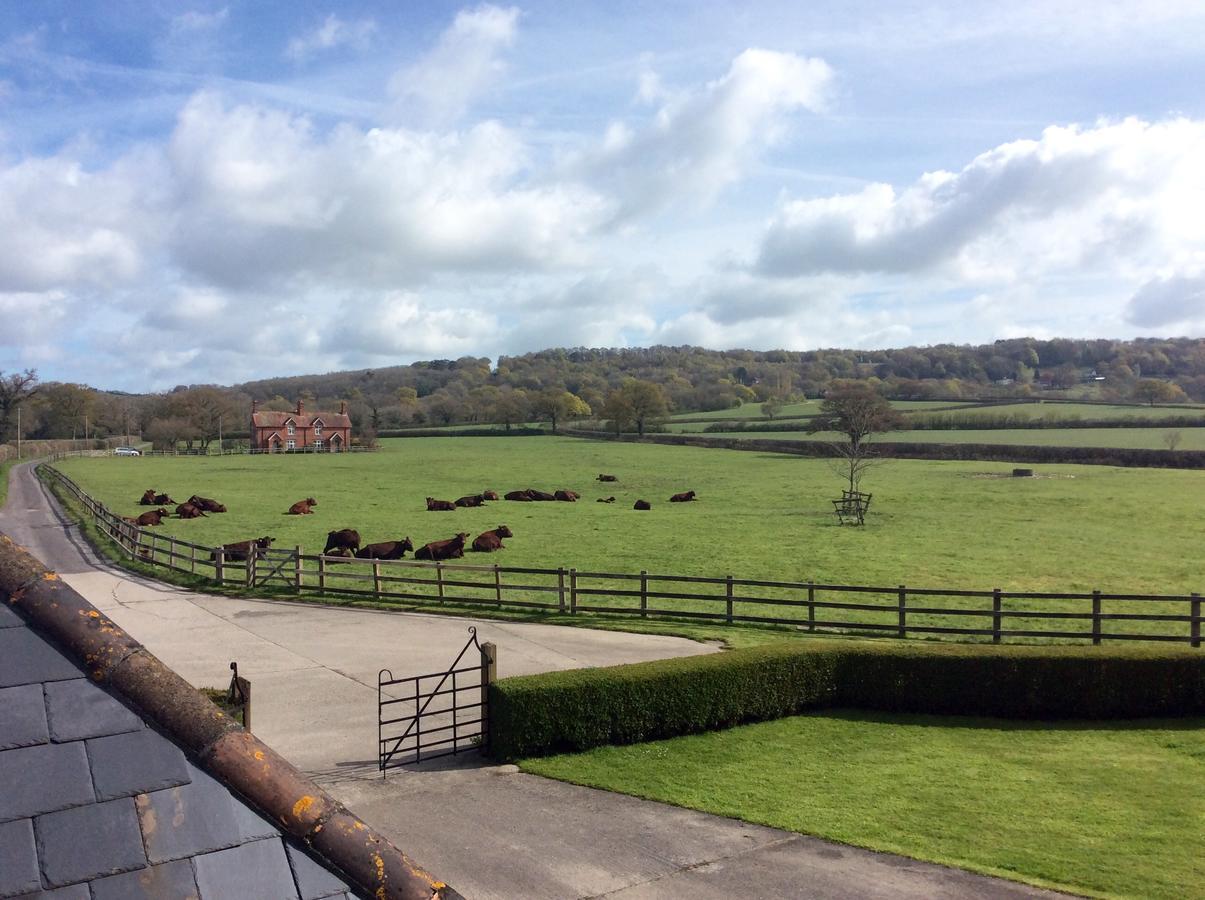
x=337 y=444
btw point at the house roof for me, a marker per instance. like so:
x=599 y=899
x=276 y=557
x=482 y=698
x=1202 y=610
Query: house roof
x=270 y=418
x=121 y=781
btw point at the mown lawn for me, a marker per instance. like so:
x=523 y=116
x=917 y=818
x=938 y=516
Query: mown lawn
x=932 y=524
x=1099 y=808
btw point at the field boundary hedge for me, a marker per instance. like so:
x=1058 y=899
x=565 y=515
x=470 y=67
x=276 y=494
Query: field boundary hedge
x=1097 y=456
x=556 y=712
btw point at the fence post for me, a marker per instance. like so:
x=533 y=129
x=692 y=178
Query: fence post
x=192 y=559
x=997 y=619
x=811 y=605
x=489 y=673
x=439 y=579
x=252 y=554
x=322 y=573
x=219 y=565
x=171 y=552
x=1096 y=617
x=560 y=589
x=498 y=585
x=644 y=593
x=573 y=592
x=903 y=624
x=728 y=598
x=297 y=571
x=376 y=580
x=1194 y=629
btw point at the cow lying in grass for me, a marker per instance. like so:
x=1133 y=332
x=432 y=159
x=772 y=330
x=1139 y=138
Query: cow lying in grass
x=303 y=507
x=452 y=548
x=240 y=550
x=489 y=541
x=386 y=549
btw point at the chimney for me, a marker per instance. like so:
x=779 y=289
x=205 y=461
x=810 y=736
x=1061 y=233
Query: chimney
x=300 y=406
x=342 y=407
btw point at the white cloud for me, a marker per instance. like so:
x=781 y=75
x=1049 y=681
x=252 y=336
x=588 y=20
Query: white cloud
x=1178 y=301
x=33 y=318
x=700 y=142
x=442 y=85
x=1123 y=196
x=332 y=33
x=402 y=324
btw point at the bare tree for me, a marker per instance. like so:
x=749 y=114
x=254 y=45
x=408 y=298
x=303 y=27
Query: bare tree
x=857 y=411
x=1172 y=439
x=15 y=389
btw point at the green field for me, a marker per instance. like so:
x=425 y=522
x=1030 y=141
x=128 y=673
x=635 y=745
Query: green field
x=1058 y=411
x=749 y=411
x=762 y=516
x=1137 y=438
x=1108 y=809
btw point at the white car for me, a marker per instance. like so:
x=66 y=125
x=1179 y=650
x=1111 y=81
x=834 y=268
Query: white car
x=126 y=451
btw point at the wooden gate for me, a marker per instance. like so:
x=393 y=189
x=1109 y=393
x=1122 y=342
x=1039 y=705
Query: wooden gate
x=442 y=714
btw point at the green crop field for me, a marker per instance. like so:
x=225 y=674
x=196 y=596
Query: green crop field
x=1110 y=809
x=1138 y=438
x=761 y=516
x=1057 y=411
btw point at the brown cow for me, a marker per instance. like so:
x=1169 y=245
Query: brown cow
x=567 y=496
x=188 y=511
x=489 y=495
x=148 y=498
x=386 y=549
x=642 y=504
x=606 y=499
x=540 y=495
x=154 y=517
x=344 y=538
x=452 y=548
x=489 y=541
x=343 y=554
x=608 y=478
x=434 y=505
x=206 y=504
x=518 y=495
x=471 y=500
x=240 y=550
x=684 y=497
x=302 y=507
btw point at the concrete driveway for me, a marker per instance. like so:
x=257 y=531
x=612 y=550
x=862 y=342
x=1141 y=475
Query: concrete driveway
x=489 y=830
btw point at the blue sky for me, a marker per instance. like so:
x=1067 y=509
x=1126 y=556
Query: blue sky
x=213 y=192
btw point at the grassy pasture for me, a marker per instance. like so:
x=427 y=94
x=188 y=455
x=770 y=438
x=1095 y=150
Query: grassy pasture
x=1058 y=411
x=748 y=411
x=933 y=524
x=1137 y=438
x=1102 y=809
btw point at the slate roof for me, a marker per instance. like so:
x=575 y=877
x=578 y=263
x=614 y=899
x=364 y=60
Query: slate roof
x=96 y=804
x=272 y=419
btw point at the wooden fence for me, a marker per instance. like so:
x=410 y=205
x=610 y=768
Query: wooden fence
x=896 y=611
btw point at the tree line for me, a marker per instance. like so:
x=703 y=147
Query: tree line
x=628 y=388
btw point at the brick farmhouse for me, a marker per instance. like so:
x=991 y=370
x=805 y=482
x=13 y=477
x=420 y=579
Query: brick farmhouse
x=317 y=432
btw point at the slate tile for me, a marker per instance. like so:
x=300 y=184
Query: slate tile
x=71 y=892
x=170 y=881
x=18 y=858
x=80 y=709
x=251 y=825
x=82 y=843
x=25 y=658
x=135 y=763
x=23 y=716
x=313 y=881
x=258 y=869
x=42 y=779
x=9 y=617
x=193 y=818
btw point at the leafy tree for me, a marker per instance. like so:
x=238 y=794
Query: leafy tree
x=15 y=389
x=771 y=408
x=554 y=404
x=1152 y=391
x=512 y=408
x=856 y=411
x=645 y=402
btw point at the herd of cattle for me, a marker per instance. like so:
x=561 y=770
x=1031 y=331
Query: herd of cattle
x=345 y=542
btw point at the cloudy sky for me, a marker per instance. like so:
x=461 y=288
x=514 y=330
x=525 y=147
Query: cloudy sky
x=213 y=192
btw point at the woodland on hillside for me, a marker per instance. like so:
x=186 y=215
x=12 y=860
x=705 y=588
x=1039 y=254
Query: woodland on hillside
x=564 y=384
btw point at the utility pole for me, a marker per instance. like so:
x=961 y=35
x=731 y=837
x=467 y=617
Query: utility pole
x=18 y=431
x=219 y=435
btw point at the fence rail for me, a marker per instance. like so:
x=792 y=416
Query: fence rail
x=897 y=610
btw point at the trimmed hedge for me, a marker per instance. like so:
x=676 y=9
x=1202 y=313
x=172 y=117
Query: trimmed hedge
x=537 y=715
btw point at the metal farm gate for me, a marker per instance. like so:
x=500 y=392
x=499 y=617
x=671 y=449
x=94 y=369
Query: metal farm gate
x=442 y=714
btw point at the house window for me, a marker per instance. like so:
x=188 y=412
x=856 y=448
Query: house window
x=318 y=444
x=291 y=445
x=317 y=429
x=292 y=428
